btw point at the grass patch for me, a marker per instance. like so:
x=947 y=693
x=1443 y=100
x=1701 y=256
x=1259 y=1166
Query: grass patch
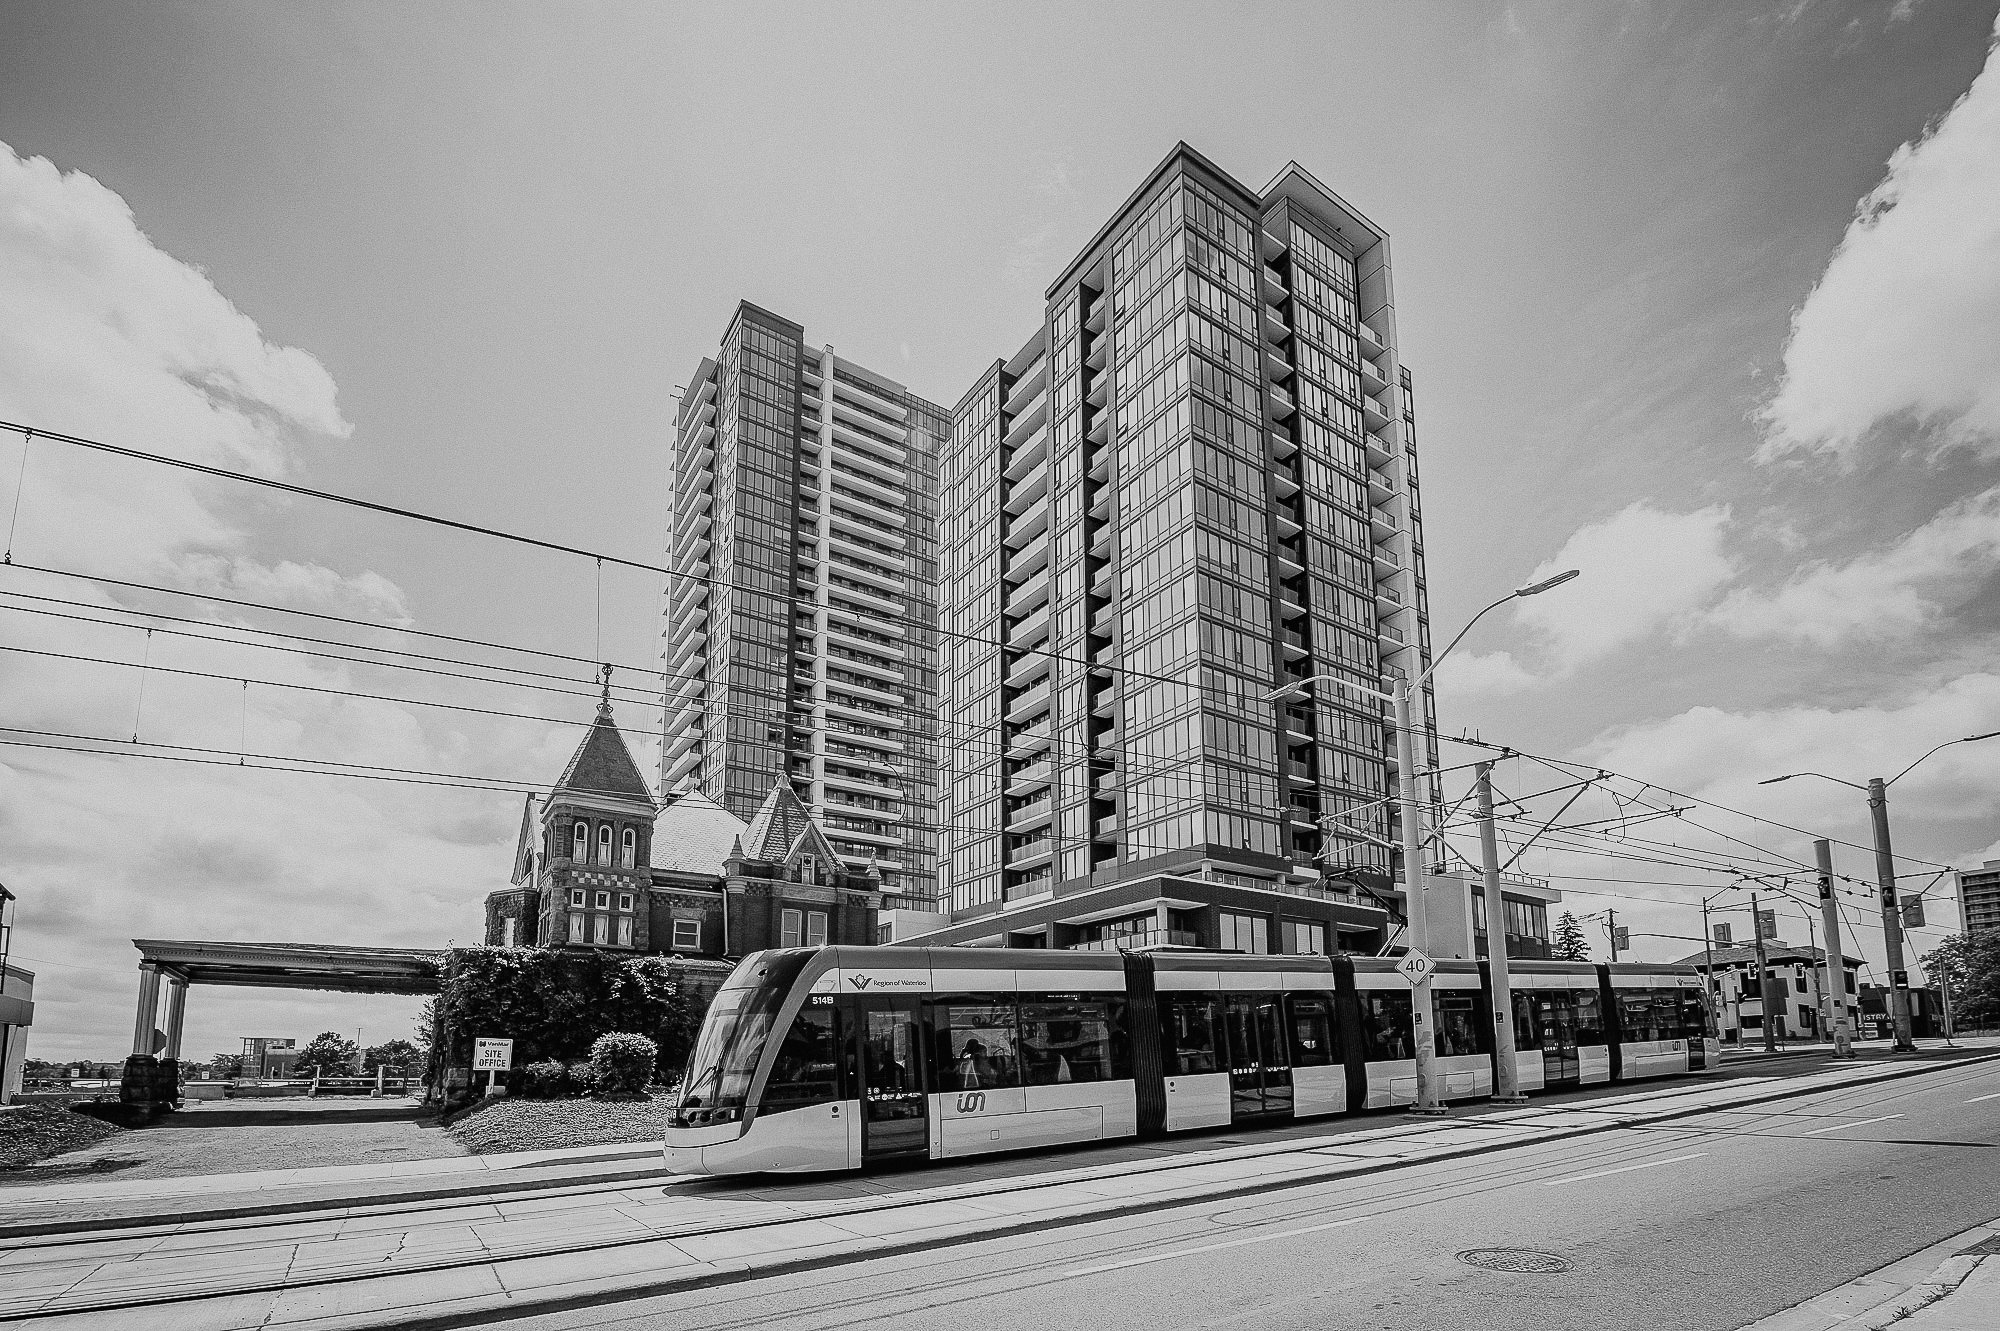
x=547 y=1125
x=35 y=1132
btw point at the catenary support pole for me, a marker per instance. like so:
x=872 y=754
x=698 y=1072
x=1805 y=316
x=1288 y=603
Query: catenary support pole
x=1506 y=1069
x=1712 y=998
x=1834 y=976
x=1769 y=1018
x=1611 y=927
x=1415 y=886
x=1892 y=922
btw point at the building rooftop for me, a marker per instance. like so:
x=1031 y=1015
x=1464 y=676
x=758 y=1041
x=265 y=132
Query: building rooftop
x=1775 y=952
x=603 y=766
x=694 y=834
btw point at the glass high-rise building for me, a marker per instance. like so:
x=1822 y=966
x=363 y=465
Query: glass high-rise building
x=1197 y=482
x=800 y=634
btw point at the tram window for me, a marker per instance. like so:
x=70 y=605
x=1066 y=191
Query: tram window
x=1459 y=1030
x=1527 y=1031
x=1193 y=1028
x=1065 y=1038
x=1314 y=1041
x=806 y=1069
x=1385 y=1026
x=976 y=1043
x=1589 y=1017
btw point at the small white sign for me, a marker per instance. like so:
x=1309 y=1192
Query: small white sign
x=1415 y=966
x=492 y=1055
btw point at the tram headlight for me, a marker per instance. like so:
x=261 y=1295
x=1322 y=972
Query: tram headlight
x=701 y=1116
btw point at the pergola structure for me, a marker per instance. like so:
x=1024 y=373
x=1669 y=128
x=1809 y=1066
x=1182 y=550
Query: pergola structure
x=353 y=970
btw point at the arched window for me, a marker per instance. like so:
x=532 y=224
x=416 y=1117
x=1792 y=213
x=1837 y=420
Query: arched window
x=604 y=844
x=628 y=852
x=579 y=849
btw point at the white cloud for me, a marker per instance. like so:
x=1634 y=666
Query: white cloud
x=1905 y=319
x=1878 y=595
x=1722 y=755
x=110 y=337
x=1491 y=674
x=1644 y=571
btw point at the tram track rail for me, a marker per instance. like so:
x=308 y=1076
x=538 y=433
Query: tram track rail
x=1667 y=1114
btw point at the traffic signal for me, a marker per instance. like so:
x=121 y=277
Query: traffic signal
x=1913 y=913
x=1621 y=938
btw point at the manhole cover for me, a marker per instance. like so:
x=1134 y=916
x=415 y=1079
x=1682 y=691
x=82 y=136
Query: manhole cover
x=1521 y=1261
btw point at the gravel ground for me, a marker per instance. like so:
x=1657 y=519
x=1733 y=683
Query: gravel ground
x=543 y=1125
x=188 y=1143
x=34 y=1132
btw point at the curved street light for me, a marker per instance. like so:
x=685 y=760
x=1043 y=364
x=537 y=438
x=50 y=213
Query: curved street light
x=1877 y=791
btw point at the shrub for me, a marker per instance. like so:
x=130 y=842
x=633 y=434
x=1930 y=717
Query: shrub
x=544 y=1080
x=554 y=1003
x=580 y=1079
x=621 y=1064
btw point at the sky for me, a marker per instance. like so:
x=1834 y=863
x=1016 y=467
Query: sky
x=1699 y=299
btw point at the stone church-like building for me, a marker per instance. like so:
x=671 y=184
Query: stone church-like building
x=599 y=864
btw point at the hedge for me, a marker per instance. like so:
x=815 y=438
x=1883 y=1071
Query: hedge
x=555 y=1004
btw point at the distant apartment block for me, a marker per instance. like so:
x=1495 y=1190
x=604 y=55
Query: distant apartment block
x=1979 y=899
x=1195 y=482
x=800 y=623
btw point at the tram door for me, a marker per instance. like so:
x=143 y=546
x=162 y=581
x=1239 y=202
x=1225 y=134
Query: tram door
x=1555 y=1024
x=1260 y=1072
x=893 y=1118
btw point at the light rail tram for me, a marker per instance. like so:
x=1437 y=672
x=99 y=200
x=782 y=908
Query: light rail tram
x=843 y=1057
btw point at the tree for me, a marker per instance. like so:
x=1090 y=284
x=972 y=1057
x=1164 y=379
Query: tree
x=328 y=1053
x=226 y=1066
x=1570 y=944
x=1971 y=964
x=394 y=1054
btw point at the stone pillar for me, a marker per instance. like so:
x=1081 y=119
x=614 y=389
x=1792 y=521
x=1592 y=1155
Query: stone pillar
x=149 y=1009
x=170 y=1062
x=139 y=1088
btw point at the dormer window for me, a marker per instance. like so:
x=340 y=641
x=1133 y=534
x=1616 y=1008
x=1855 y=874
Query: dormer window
x=604 y=844
x=628 y=850
x=806 y=870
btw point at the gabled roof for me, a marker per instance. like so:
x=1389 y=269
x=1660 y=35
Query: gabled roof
x=603 y=766
x=527 y=841
x=695 y=835
x=1774 y=953
x=782 y=823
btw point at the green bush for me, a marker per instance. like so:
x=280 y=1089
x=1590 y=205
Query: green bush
x=580 y=1079
x=544 y=1079
x=621 y=1064
x=553 y=1004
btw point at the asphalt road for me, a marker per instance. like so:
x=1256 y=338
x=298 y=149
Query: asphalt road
x=1708 y=1222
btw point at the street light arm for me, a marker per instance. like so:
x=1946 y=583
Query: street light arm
x=1533 y=589
x=1418 y=683
x=1968 y=739
x=1774 y=780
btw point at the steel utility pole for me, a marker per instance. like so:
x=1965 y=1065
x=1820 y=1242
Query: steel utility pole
x=1835 y=981
x=1763 y=979
x=1611 y=927
x=1506 y=1070
x=1416 y=884
x=1892 y=921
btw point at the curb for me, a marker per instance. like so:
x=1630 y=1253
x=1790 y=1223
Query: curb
x=1905 y=1287
x=623 y=1288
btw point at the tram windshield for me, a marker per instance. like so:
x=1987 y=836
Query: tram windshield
x=733 y=1036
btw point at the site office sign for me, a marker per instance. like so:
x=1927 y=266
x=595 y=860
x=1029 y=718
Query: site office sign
x=489 y=1055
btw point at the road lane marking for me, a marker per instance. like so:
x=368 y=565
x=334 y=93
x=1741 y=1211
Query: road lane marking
x=1607 y=1173
x=1857 y=1123
x=1977 y=1098
x=1210 y=1247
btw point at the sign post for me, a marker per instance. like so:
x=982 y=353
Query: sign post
x=491 y=1056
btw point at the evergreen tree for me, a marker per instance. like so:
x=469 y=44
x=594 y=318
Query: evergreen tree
x=1570 y=944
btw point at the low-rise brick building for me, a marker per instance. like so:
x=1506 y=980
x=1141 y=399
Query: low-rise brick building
x=599 y=864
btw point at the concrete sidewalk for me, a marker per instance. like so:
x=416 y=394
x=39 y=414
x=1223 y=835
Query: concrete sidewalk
x=32 y=1210
x=1949 y=1286
x=451 y=1265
